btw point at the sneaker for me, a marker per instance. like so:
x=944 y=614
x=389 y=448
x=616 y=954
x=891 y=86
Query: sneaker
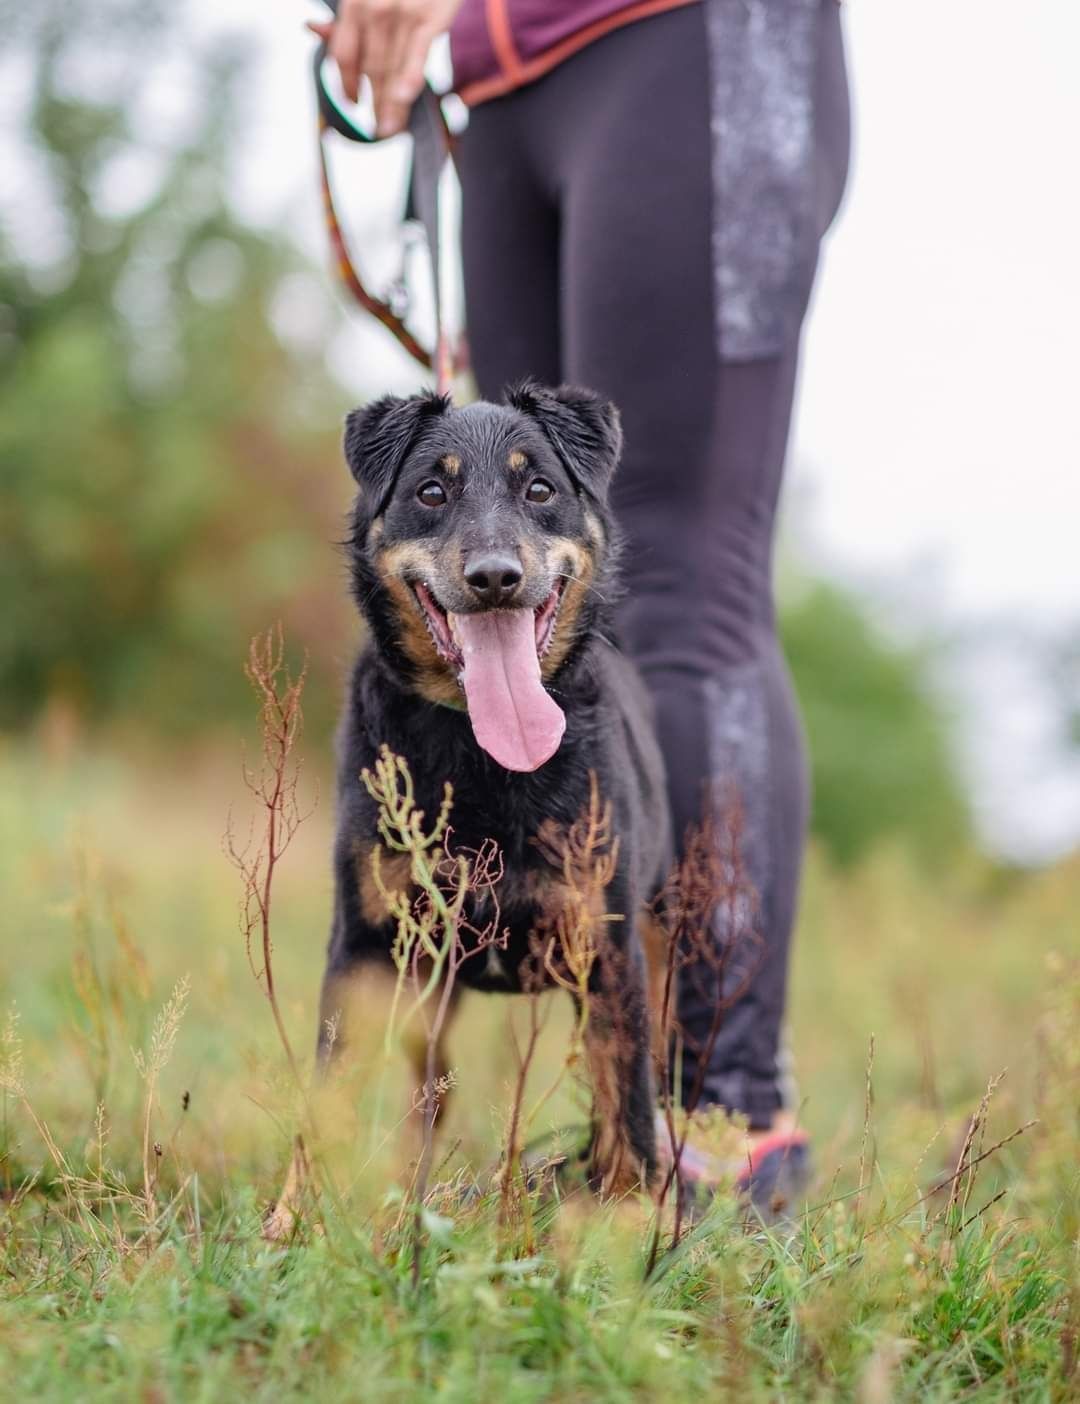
x=771 y=1177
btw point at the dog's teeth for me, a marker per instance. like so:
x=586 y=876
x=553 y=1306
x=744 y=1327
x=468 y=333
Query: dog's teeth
x=451 y=620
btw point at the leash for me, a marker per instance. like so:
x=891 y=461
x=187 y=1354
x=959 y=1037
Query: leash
x=432 y=148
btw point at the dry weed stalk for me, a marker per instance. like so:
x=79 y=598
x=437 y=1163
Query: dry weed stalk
x=511 y=1179
x=149 y=1066
x=111 y=986
x=586 y=856
x=92 y=1043
x=709 y=890
x=274 y=784
x=13 y=1087
x=436 y=932
x=865 y=1144
x=10 y=1086
x=428 y=920
x=564 y=951
x=962 y=1181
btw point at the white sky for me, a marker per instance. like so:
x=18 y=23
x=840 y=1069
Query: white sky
x=938 y=407
x=935 y=446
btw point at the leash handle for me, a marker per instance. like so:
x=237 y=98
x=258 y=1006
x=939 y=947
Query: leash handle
x=377 y=307
x=432 y=147
x=329 y=112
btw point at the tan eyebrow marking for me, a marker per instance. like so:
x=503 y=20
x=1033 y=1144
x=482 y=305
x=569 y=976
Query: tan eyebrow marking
x=517 y=459
x=450 y=463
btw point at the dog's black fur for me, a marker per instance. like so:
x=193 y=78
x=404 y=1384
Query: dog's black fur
x=404 y=693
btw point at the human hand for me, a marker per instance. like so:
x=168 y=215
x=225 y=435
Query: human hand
x=388 y=40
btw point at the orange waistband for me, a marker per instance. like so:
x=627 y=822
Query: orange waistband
x=516 y=72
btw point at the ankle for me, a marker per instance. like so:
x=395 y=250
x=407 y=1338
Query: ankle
x=782 y=1124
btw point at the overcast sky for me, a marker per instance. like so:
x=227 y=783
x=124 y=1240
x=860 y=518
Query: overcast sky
x=935 y=447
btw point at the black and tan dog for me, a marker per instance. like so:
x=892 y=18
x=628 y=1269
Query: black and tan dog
x=483 y=555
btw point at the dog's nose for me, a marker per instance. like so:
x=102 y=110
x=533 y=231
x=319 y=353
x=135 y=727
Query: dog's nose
x=493 y=576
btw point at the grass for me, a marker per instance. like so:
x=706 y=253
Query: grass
x=149 y=1124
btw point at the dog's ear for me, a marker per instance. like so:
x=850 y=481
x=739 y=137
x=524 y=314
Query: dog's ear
x=583 y=429
x=378 y=438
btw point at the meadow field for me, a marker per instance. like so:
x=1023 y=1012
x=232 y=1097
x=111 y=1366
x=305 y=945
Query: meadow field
x=170 y=413
x=140 y=1149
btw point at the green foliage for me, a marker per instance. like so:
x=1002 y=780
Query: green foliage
x=878 y=739
x=170 y=473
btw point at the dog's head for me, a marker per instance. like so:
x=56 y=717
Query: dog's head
x=482 y=547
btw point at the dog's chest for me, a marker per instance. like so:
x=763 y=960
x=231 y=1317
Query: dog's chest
x=515 y=924
x=515 y=931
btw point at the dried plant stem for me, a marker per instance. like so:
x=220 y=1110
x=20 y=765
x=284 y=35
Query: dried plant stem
x=512 y=1179
x=150 y=1065
x=868 y=1105
x=434 y=935
x=963 y=1177
x=564 y=954
x=709 y=891
x=951 y=1180
x=274 y=786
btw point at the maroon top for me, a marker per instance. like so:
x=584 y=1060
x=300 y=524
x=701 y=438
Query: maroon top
x=499 y=45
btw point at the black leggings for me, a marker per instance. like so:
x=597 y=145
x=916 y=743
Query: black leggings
x=587 y=216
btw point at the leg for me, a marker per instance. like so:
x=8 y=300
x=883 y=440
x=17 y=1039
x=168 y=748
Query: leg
x=359 y=996
x=359 y=942
x=696 y=492
x=654 y=944
x=632 y=182
x=355 y=902
x=623 y=1152
x=510 y=249
x=426 y=1052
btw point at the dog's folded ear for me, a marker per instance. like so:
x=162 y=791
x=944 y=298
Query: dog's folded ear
x=378 y=438
x=583 y=429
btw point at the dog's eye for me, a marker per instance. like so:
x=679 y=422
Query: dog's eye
x=539 y=490
x=431 y=494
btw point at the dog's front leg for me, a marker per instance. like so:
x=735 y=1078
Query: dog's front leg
x=623 y=1156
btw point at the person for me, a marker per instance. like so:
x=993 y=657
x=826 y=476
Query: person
x=644 y=190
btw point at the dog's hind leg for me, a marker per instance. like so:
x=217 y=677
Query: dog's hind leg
x=655 y=941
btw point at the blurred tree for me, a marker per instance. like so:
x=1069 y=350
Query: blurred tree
x=171 y=477
x=879 y=749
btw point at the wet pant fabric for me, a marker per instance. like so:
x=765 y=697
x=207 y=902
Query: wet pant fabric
x=589 y=220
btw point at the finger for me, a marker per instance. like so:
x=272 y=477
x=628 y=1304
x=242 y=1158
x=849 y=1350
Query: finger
x=381 y=37
x=323 y=28
x=406 y=82
x=347 y=44
x=385 y=123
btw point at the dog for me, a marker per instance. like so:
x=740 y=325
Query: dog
x=483 y=557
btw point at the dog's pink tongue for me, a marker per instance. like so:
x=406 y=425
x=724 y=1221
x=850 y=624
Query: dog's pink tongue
x=512 y=717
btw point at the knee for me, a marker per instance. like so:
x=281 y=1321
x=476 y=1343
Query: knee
x=700 y=616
